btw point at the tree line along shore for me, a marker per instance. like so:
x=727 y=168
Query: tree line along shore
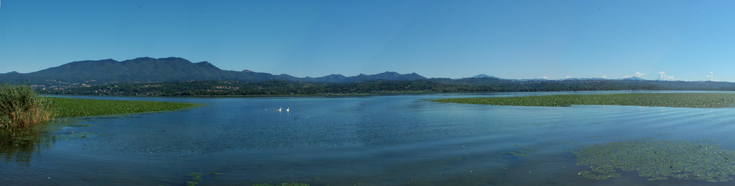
x=292 y=88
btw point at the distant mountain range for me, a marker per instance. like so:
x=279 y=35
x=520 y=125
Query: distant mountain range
x=150 y=70
x=145 y=69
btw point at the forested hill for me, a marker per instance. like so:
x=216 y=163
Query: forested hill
x=179 y=77
x=145 y=69
x=290 y=88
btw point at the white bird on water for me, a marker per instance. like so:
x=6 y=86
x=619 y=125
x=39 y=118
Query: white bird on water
x=287 y=108
x=279 y=109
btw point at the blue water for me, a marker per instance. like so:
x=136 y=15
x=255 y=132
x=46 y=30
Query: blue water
x=370 y=140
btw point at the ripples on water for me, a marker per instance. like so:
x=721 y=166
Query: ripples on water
x=380 y=140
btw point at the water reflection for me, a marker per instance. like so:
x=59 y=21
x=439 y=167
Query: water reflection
x=18 y=145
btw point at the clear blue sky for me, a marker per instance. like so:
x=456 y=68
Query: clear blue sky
x=509 y=39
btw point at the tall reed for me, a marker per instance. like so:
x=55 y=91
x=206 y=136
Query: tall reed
x=22 y=108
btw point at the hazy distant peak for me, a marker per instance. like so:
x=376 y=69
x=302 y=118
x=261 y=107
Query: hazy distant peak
x=150 y=59
x=389 y=73
x=141 y=59
x=484 y=76
x=174 y=58
x=335 y=75
x=634 y=78
x=92 y=61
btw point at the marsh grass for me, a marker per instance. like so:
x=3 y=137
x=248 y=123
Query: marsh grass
x=691 y=100
x=68 y=107
x=21 y=108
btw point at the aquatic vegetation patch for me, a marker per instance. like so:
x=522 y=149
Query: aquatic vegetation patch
x=215 y=174
x=196 y=177
x=522 y=152
x=657 y=160
x=691 y=100
x=68 y=107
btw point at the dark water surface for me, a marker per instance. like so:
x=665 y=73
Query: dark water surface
x=372 y=140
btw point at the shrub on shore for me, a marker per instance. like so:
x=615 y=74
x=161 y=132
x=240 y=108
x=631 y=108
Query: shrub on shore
x=22 y=108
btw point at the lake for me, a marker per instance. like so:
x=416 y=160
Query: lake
x=366 y=140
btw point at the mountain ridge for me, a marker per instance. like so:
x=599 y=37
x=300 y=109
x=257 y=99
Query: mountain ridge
x=146 y=69
x=172 y=69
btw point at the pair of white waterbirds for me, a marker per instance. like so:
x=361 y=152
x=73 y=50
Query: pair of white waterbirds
x=279 y=109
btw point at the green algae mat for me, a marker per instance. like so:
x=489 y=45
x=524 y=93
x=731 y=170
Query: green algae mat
x=691 y=100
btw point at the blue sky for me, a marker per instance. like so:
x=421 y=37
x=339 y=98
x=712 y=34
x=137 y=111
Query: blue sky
x=687 y=40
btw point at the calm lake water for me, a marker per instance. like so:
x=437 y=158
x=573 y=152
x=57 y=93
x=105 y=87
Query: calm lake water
x=371 y=140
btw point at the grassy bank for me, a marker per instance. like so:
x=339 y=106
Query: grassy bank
x=68 y=107
x=691 y=100
x=22 y=108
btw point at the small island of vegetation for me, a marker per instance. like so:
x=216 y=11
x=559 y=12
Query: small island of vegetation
x=691 y=100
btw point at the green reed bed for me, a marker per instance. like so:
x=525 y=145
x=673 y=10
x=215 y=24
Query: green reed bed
x=21 y=107
x=691 y=100
x=68 y=107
